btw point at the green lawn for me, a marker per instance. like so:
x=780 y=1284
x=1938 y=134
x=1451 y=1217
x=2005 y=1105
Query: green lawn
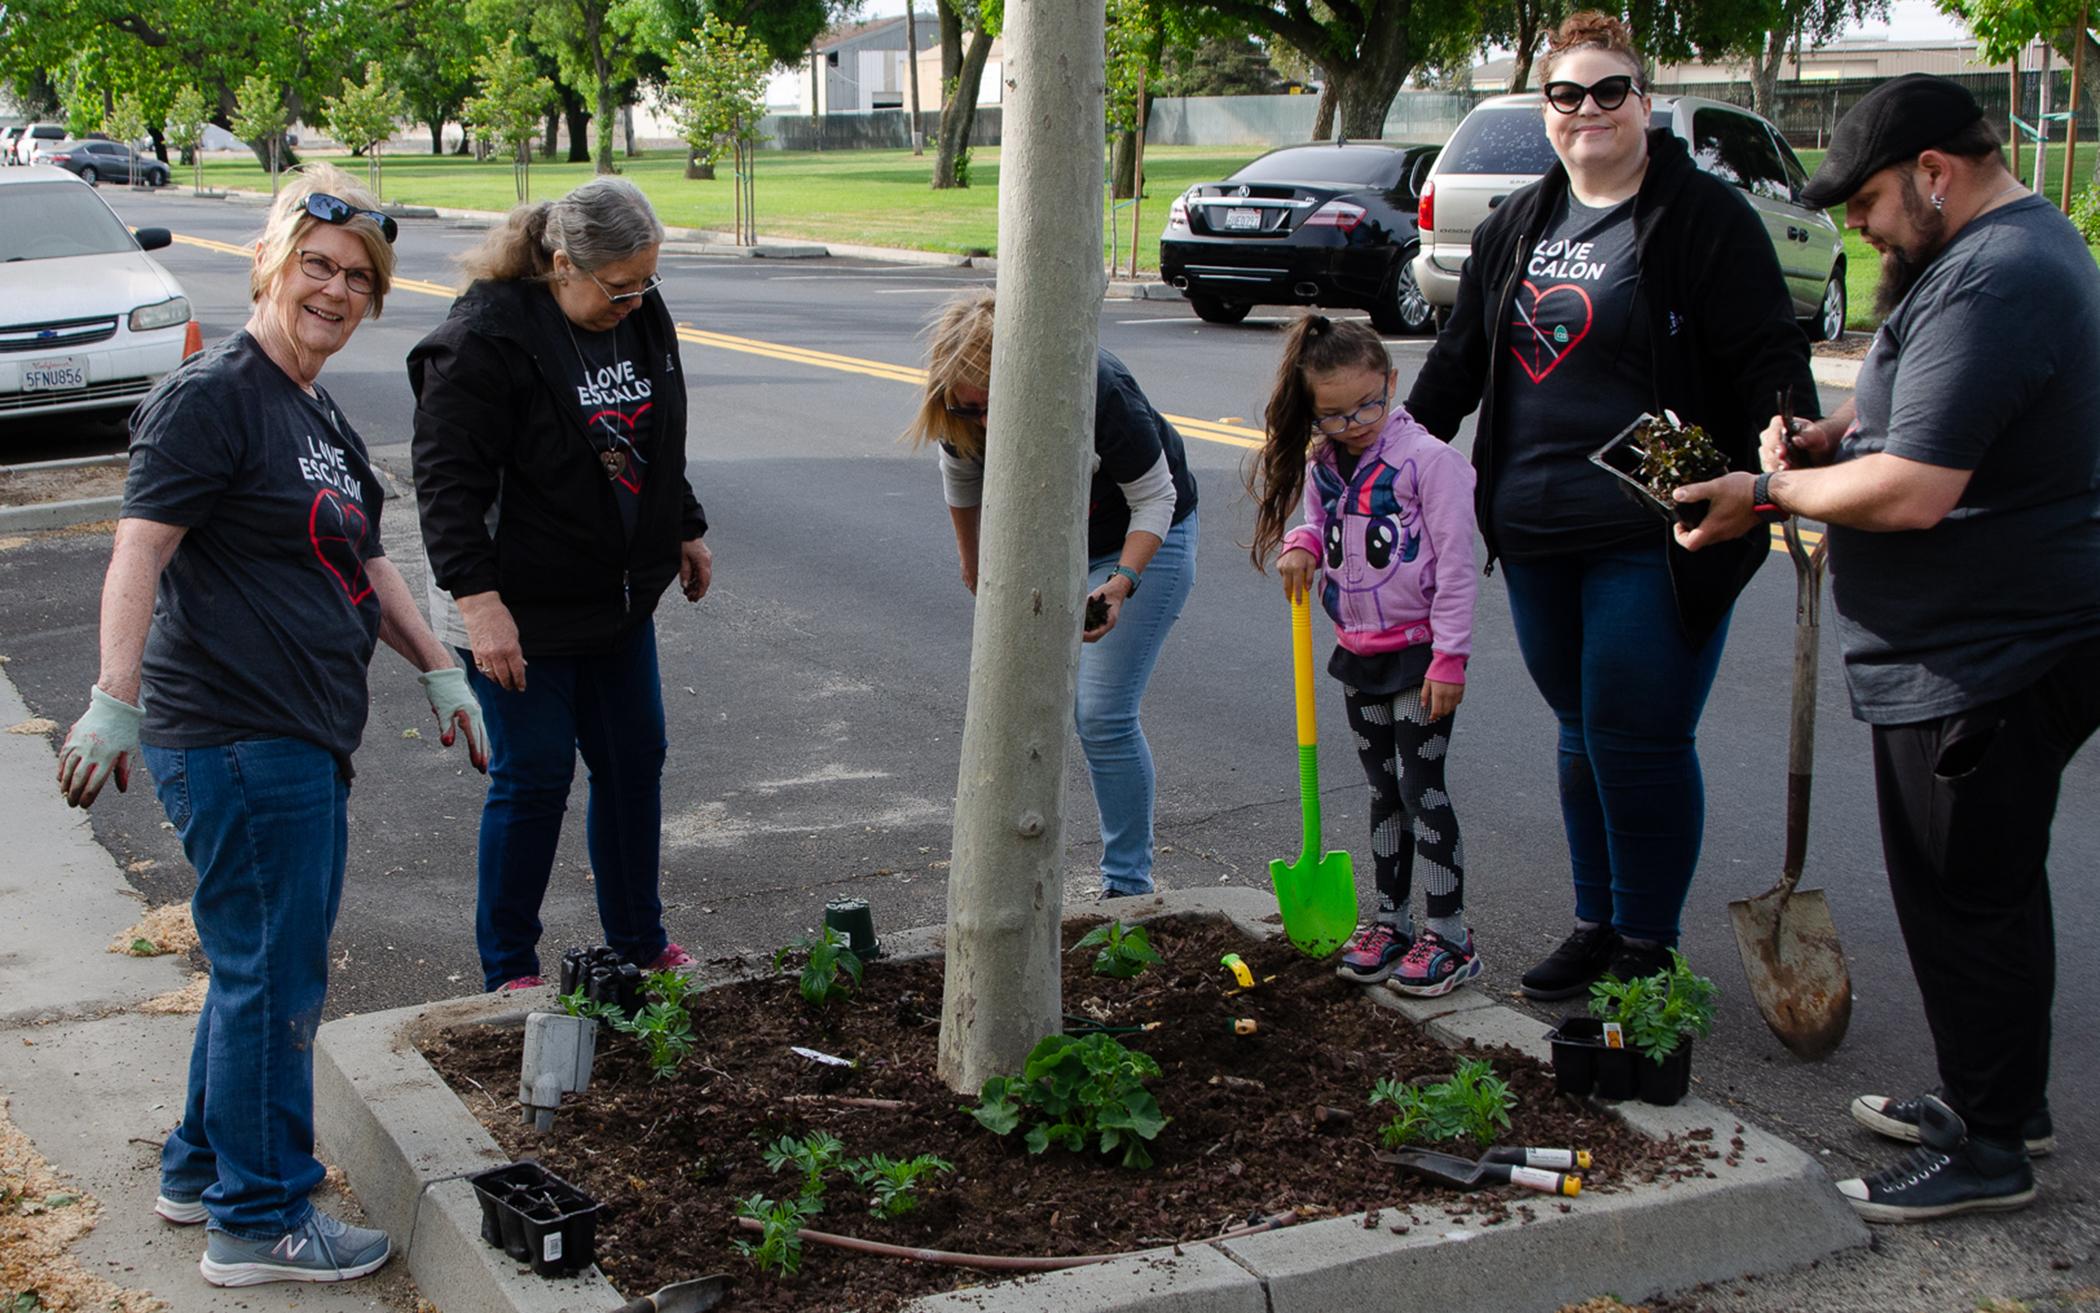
x=873 y=197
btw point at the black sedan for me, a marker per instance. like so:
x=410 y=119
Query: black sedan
x=105 y=161
x=1330 y=224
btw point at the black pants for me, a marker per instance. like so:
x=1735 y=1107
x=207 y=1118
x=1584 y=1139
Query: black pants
x=1966 y=806
x=1403 y=752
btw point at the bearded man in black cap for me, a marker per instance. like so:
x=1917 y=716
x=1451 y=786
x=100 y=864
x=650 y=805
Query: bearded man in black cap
x=1961 y=487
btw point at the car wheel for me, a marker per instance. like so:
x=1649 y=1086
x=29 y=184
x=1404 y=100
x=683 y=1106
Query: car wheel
x=1830 y=319
x=87 y=175
x=1403 y=308
x=1213 y=311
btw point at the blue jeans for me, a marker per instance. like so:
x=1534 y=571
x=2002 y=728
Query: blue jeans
x=611 y=708
x=265 y=824
x=1600 y=636
x=1113 y=673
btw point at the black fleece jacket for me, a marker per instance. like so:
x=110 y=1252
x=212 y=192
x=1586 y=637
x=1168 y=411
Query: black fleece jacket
x=497 y=426
x=1723 y=334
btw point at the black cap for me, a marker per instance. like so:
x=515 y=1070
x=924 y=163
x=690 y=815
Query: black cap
x=1891 y=123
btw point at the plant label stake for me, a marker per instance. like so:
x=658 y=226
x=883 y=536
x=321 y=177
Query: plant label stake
x=1317 y=893
x=558 y=1054
x=1789 y=945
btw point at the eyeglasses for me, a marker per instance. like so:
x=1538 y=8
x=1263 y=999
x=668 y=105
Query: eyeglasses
x=1609 y=93
x=334 y=209
x=321 y=269
x=649 y=285
x=1333 y=426
x=969 y=412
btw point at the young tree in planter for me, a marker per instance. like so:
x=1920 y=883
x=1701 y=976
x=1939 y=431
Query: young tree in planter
x=507 y=111
x=126 y=123
x=717 y=90
x=259 y=118
x=363 y=117
x=186 y=119
x=1002 y=992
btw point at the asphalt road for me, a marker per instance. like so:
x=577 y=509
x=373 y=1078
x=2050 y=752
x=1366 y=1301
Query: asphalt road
x=816 y=697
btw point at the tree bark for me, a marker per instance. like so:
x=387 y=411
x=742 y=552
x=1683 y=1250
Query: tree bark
x=911 y=72
x=960 y=114
x=579 y=123
x=1123 y=165
x=437 y=136
x=552 y=138
x=1001 y=993
x=627 y=128
x=1323 y=113
x=1764 y=73
x=601 y=69
x=695 y=170
x=951 y=43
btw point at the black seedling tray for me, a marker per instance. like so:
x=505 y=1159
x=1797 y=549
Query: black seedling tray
x=536 y=1217
x=1620 y=458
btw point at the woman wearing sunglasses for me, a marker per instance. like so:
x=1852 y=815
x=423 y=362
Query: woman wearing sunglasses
x=246 y=591
x=1624 y=281
x=550 y=469
x=1141 y=530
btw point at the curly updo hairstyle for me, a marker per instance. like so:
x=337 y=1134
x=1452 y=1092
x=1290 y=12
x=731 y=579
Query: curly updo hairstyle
x=1593 y=29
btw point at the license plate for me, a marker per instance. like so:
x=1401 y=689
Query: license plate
x=1248 y=219
x=54 y=375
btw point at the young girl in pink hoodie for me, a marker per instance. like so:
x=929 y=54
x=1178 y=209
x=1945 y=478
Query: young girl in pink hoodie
x=1388 y=541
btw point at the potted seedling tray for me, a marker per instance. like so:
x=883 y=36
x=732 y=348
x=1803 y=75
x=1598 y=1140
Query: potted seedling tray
x=1666 y=1082
x=1583 y=1065
x=1654 y=456
x=536 y=1217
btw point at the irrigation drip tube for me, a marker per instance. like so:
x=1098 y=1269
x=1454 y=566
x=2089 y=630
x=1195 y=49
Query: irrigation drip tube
x=1014 y=1262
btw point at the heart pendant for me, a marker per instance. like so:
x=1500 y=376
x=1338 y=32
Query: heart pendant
x=614 y=460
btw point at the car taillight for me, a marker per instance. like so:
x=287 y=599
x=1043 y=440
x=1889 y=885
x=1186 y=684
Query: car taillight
x=58 y=159
x=1425 y=217
x=1178 y=216
x=1336 y=214
x=192 y=339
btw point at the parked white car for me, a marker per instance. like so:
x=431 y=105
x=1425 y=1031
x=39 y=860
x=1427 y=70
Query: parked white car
x=88 y=320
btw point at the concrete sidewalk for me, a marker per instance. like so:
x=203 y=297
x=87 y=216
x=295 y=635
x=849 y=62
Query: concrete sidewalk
x=95 y=1083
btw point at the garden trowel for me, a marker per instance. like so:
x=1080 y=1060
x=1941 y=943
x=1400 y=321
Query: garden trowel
x=695 y=1296
x=1788 y=942
x=1316 y=893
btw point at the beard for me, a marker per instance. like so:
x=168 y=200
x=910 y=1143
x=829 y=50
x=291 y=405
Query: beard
x=1902 y=266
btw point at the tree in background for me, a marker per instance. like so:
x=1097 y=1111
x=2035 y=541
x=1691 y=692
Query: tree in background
x=951 y=161
x=1136 y=40
x=259 y=117
x=434 y=64
x=126 y=123
x=507 y=112
x=1520 y=27
x=2004 y=27
x=185 y=128
x=363 y=118
x=716 y=92
x=1214 y=65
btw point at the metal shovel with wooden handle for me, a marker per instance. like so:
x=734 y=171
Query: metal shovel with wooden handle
x=1317 y=893
x=1788 y=942
x=695 y=1296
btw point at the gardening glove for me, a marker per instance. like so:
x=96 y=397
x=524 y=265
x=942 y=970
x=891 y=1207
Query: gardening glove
x=98 y=746
x=454 y=705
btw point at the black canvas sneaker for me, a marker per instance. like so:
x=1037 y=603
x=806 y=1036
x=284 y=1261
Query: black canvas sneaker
x=1898 y=1120
x=1950 y=1172
x=1569 y=969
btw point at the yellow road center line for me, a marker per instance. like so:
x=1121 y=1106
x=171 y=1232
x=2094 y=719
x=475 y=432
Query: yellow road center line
x=1205 y=430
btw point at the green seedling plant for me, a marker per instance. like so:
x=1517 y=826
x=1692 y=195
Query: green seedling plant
x=1086 y=1092
x=1658 y=1013
x=1125 y=951
x=664 y=1028
x=668 y=986
x=1672 y=456
x=778 y=1249
x=893 y=1183
x=826 y=958
x=1473 y=1104
x=813 y=1156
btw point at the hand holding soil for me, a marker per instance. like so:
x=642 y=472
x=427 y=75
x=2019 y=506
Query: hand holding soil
x=1101 y=613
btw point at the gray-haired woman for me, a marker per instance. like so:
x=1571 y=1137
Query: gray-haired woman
x=550 y=470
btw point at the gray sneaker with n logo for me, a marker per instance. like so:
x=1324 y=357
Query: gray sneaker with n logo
x=323 y=1249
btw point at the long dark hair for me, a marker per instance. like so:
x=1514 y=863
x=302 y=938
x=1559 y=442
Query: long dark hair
x=1276 y=478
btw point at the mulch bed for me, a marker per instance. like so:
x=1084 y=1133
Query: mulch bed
x=670 y=1159
x=77 y=483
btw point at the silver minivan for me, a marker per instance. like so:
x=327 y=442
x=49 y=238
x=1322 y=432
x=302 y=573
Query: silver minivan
x=1501 y=146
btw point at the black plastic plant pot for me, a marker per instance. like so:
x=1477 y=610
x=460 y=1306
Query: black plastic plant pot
x=1576 y=1043
x=1621 y=458
x=1666 y=1082
x=852 y=918
x=536 y=1217
x=1616 y=1074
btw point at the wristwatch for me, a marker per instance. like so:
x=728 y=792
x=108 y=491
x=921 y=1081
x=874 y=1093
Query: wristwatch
x=1762 y=503
x=1127 y=573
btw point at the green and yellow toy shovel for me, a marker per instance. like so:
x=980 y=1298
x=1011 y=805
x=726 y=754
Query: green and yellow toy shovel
x=1316 y=893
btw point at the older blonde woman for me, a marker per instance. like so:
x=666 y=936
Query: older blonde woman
x=1141 y=530
x=245 y=595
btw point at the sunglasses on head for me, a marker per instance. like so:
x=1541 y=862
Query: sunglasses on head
x=1609 y=93
x=334 y=209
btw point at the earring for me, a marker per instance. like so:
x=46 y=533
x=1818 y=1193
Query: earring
x=1939 y=203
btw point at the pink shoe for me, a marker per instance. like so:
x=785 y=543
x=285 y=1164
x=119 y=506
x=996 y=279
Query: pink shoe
x=522 y=982
x=672 y=958
x=1372 y=953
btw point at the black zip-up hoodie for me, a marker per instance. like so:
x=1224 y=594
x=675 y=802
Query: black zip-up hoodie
x=1722 y=328
x=496 y=421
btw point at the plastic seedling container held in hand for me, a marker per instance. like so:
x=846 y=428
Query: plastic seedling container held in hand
x=1316 y=893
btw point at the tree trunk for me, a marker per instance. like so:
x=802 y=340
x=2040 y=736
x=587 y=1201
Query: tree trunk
x=695 y=170
x=437 y=136
x=601 y=70
x=160 y=146
x=911 y=71
x=1367 y=89
x=1520 y=68
x=627 y=127
x=1764 y=73
x=552 y=139
x=1123 y=165
x=951 y=43
x=960 y=114
x=2086 y=50
x=579 y=124
x=1001 y=992
x=1323 y=113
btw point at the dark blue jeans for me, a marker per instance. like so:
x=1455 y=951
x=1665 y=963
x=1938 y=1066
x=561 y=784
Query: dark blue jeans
x=1600 y=636
x=611 y=708
x=265 y=824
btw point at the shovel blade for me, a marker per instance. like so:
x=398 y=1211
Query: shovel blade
x=696 y=1296
x=1317 y=896
x=1795 y=967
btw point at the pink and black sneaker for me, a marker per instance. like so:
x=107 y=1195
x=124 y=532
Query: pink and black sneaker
x=1372 y=953
x=672 y=958
x=1435 y=966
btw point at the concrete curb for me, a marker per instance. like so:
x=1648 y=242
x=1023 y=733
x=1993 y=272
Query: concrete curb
x=406 y=1140
x=1124 y=290
x=1830 y=371
x=762 y=251
x=58 y=514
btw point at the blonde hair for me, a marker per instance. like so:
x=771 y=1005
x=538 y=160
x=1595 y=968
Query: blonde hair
x=1592 y=29
x=289 y=223
x=958 y=354
x=599 y=223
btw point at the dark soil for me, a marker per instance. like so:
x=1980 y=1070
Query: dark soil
x=1096 y=614
x=669 y=1159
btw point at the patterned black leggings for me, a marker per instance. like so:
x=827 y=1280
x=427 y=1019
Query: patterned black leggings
x=1403 y=759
